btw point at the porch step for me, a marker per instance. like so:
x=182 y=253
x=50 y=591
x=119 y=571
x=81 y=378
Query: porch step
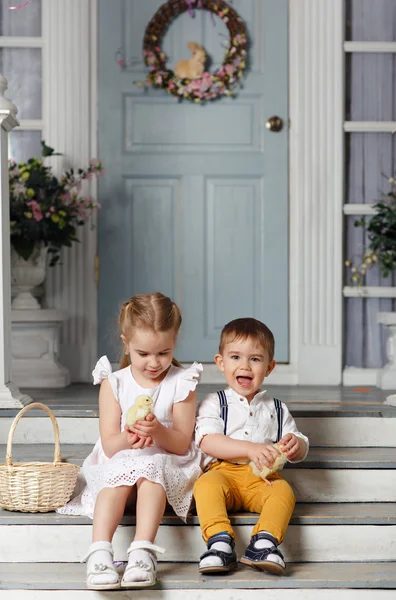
x=330 y=416
x=348 y=431
x=304 y=581
x=318 y=458
x=326 y=475
x=317 y=533
x=362 y=513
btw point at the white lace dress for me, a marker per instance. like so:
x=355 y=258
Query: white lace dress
x=176 y=473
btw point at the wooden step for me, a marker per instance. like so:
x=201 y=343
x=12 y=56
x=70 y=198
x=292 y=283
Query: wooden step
x=302 y=582
x=318 y=458
x=330 y=416
x=349 y=431
x=327 y=474
x=317 y=533
x=362 y=513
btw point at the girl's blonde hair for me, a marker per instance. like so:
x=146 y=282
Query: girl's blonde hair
x=149 y=311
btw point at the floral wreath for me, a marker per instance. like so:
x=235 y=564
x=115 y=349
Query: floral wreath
x=223 y=81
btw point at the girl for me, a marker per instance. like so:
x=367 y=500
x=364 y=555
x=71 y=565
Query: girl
x=154 y=461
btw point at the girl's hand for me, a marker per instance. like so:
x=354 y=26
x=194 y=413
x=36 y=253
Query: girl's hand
x=135 y=441
x=293 y=446
x=143 y=443
x=132 y=438
x=263 y=455
x=147 y=428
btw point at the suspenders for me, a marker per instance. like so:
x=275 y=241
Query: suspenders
x=223 y=408
x=279 y=414
x=224 y=413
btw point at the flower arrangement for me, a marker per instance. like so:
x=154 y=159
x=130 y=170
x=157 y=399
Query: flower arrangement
x=223 y=81
x=381 y=231
x=45 y=209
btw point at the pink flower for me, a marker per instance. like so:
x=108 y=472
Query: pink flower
x=230 y=69
x=36 y=210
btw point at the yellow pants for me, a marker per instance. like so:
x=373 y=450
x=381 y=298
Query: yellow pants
x=229 y=487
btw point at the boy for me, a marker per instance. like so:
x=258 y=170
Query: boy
x=233 y=428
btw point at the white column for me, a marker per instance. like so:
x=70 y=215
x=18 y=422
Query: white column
x=316 y=188
x=70 y=120
x=10 y=396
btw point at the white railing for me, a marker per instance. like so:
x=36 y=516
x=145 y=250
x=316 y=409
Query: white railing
x=10 y=396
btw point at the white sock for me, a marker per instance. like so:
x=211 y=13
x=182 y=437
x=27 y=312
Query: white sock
x=215 y=561
x=99 y=558
x=141 y=563
x=262 y=543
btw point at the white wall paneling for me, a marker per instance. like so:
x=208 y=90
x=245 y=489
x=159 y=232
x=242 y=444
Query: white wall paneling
x=316 y=188
x=69 y=109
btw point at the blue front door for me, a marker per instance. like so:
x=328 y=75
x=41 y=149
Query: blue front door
x=195 y=198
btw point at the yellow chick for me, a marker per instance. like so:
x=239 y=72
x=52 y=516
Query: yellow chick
x=278 y=464
x=142 y=407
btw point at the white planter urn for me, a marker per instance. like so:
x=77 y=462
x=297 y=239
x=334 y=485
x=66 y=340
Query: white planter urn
x=386 y=379
x=26 y=275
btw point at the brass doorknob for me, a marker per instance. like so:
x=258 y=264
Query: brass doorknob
x=274 y=124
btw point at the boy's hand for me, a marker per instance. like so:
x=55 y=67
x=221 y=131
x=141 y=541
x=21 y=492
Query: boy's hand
x=293 y=446
x=148 y=427
x=263 y=455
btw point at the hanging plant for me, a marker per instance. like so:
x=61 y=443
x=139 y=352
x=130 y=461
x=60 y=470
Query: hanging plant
x=381 y=232
x=189 y=80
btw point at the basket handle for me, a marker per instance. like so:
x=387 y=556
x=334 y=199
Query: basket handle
x=57 y=454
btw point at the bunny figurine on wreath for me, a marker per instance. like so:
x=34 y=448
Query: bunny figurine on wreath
x=194 y=67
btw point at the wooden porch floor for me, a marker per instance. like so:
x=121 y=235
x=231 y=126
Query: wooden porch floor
x=81 y=400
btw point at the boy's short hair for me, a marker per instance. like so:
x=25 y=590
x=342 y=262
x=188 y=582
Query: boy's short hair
x=248 y=327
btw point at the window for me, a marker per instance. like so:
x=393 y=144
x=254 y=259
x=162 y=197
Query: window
x=21 y=64
x=370 y=150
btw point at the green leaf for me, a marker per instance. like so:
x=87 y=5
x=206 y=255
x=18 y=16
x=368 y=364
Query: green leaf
x=22 y=246
x=47 y=150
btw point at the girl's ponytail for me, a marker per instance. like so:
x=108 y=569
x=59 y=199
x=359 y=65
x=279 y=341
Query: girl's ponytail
x=125 y=362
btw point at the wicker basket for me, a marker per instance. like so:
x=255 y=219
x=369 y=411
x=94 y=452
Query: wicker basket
x=36 y=486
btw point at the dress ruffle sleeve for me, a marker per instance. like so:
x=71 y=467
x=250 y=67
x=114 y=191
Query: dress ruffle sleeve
x=187 y=382
x=102 y=370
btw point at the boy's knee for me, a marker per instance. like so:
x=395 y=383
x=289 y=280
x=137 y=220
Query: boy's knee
x=288 y=493
x=209 y=483
x=283 y=488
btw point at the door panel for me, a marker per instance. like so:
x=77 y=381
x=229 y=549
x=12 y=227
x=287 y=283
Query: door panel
x=195 y=198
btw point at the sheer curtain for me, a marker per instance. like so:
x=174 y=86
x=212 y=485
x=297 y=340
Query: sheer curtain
x=371 y=96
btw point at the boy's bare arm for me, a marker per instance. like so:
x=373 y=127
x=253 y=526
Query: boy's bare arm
x=226 y=448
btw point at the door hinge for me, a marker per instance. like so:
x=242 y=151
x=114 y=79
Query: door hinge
x=97 y=269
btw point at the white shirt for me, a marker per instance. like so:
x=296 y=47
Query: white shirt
x=255 y=422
